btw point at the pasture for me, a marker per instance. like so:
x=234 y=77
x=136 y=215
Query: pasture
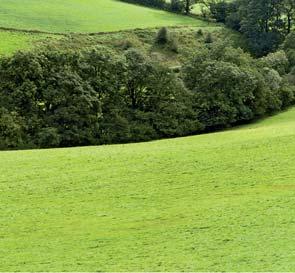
x=85 y=16
x=12 y=41
x=217 y=202
x=77 y=16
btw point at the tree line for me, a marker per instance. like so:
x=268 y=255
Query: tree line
x=58 y=99
x=178 y=6
x=264 y=23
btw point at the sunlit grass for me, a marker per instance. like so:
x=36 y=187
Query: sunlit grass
x=214 y=202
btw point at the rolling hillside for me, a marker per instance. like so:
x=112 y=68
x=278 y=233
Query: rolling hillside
x=84 y=16
x=76 y=16
x=216 y=202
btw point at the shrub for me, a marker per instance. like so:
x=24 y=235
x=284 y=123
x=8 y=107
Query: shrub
x=208 y=39
x=48 y=137
x=289 y=48
x=11 y=129
x=173 y=45
x=277 y=61
x=200 y=33
x=126 y=44
x=162 y=37
x=287 y=95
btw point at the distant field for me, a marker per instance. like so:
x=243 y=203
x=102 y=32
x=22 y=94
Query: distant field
x=82 y=16
x=216 y=202
x=85 y=16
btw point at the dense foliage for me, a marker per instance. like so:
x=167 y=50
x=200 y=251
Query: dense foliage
x=264 y=23
x=51 y=99
x=178 y=6
x=57 y=99
x=150 y=3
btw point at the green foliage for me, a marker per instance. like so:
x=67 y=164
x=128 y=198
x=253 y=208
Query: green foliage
x=173 y=45
x=48 y=137
x=162 y=36
x=289 y=48
x=223 y=92
x=277 y=61
x=219 y=10
x=287 y=95
x=181 y=6
x=177 y=6
x=264 y=23
x=166 y=40
x=92 y=97
x=200 y=33
x=230 y=88
x=161 y=4
x=97 y=96
x=11 y=129
x=209 y=38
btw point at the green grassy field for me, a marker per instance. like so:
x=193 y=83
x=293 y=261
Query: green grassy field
x=11 y=41
x=77 y=16
x=85 y=16
x=215 y=202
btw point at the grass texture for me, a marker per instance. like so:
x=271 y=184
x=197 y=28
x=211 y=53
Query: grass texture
x=214 y=202
x=85 y=16
x=12 y=41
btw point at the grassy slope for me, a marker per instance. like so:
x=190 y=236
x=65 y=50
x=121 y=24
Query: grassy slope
x=11 y=41
x=85 y=16
x=81 y=16
x=144 y=40
x=216 y=202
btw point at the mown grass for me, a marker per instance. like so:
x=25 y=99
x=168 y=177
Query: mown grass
x=85 y=16
x=214 y=202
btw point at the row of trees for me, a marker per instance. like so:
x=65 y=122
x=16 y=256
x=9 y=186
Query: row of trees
x=265 y=23
x=151 y=3
x=54 y=99
x=179 y=6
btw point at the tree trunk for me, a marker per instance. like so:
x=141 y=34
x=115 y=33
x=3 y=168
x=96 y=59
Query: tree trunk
x=187 y=7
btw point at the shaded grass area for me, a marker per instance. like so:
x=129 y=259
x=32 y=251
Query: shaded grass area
x=215 y=202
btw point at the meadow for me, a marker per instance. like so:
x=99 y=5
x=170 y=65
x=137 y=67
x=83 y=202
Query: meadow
x=77 y=16
x=85 y=16
x=12 y=41
x=214 y=202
